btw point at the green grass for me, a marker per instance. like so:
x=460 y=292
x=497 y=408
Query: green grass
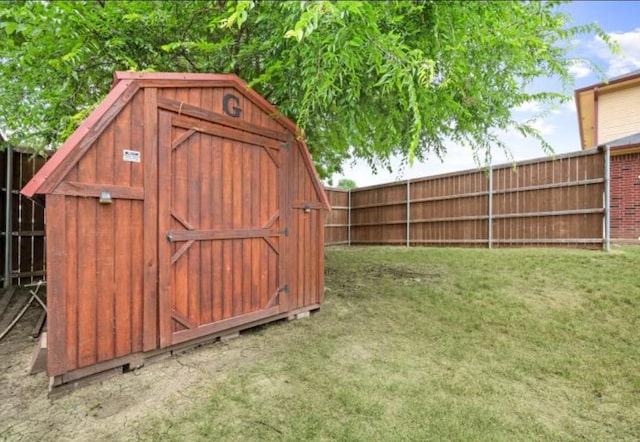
x=441 y=344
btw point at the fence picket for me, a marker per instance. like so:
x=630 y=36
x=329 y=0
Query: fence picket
x=547 y=201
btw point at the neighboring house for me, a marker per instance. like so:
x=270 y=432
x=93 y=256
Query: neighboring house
x=609 y=113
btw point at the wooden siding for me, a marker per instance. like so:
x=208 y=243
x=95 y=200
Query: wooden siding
x=306 y=236
x=589 y=107
x=230 y=228
x=547 y=201
x=211 y=99
x=103 y=266
x=216 y=224
x=618 y=114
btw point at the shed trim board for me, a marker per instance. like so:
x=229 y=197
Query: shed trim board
x=173 y=217
x=54 y=170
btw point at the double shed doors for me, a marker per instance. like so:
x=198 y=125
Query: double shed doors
x=222 y=226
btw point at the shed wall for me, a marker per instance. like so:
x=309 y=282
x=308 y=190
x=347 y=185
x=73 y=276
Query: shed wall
x=212 y=99
x=101 y=306
x=306 y=251
x=103 y=267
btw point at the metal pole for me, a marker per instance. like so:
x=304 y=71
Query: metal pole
x=8 y=220
x=607 y=198
x=349 y=219
x=490 y=209
x=408 y=213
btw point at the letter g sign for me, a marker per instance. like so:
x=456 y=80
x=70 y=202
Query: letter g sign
x=230 y=105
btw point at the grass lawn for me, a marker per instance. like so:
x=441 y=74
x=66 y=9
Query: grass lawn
x=440 y=344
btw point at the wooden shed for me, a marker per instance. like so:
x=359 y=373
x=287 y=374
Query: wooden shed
x=185 y=206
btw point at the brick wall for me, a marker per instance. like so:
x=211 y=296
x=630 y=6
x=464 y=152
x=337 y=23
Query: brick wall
x=625 y=197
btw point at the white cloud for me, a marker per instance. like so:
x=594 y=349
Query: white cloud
x=544 y=127
x=569 y=106
x=457 y=158
x=529 y=106
x=579 y=70
x=629 y=57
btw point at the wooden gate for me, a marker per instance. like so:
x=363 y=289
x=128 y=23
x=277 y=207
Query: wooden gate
x=221 y=226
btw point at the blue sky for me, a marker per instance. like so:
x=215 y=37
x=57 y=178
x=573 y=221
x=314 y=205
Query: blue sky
x=619 y=19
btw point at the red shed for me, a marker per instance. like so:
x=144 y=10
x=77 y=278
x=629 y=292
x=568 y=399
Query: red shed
x=185 y=206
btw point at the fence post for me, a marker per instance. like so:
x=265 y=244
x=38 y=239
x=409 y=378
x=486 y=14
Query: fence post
x=607 y=198
x=8 y=220
x=408 y=213
x=490 y=209
x=349 y=219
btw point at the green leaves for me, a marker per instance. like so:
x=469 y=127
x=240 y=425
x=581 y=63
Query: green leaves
x=362 y=79
x=238 y=14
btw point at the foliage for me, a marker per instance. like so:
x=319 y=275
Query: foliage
x=347 y=184
x=363 y=79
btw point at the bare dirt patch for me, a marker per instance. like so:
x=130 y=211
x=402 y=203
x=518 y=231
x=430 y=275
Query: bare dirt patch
x=110 y=409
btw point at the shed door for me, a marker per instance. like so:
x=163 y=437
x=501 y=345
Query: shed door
x=221 y=225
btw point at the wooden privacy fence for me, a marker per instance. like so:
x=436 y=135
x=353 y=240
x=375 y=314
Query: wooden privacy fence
x=22 y=260
x=542 y=202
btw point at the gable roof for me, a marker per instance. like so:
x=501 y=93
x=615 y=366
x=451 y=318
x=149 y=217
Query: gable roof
x=627 y=76
x=125 y=86
x=624 y=78
x=587 y=97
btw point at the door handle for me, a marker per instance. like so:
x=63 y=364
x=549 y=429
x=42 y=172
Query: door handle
x=170 y=237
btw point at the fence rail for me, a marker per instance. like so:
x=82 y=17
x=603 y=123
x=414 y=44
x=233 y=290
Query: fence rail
x=546 y=201
x=22 y=260
x=559 y=202
x=337 y=223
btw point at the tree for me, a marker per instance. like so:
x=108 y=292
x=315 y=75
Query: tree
x=363 y=79
x=347 y=184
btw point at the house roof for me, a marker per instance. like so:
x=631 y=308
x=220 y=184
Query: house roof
x=629 y=76
x=626 y=142
x=626 y=76
x=587 y=97
x=125 y=86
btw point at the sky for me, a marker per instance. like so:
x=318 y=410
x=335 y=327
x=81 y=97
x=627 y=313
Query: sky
x=619 y=19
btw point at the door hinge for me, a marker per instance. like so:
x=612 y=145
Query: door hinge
x=284 y=232
x=170 y=237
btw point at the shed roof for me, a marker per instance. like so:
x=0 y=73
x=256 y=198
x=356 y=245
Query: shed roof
x=125 y=85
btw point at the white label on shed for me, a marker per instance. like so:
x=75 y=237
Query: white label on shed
x=133 y=156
